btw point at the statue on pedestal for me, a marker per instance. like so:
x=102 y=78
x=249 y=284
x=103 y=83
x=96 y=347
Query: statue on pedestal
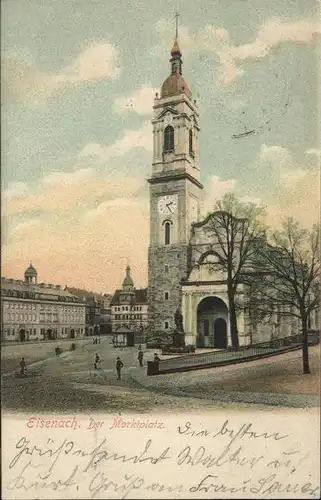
x=178 y=335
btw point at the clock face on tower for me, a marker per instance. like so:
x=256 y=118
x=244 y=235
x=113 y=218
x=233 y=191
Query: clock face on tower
x=167 y=205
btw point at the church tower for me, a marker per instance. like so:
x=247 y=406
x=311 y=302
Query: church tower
x=175 y=190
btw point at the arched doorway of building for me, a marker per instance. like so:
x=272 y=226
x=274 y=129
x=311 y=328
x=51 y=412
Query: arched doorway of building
x=72 y=333
x=50 y=335
x=22 y=335
x=212 y=317
x=220 y=333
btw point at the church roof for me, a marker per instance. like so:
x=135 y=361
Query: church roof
x=175 y=48
x=175 y=85
x=139 y=298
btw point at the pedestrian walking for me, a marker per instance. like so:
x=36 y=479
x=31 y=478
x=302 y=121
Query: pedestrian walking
x=156 y=358
x=97 y=361
x=23 y=366
x=140 y=357
x=119 y=366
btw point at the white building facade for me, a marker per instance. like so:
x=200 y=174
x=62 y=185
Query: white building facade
x=129 y=307
x=32 y=312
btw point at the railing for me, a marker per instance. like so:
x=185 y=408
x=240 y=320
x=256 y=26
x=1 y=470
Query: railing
x=230 y=354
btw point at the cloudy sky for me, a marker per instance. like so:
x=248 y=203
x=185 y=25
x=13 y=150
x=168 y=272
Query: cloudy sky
x=79 y=79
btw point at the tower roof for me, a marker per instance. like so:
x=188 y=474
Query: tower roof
x=175 y=83
x=128 y=279
x=31 y=272
x=175 y=48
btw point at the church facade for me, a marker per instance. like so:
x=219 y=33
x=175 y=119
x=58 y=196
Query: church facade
x=180 y=263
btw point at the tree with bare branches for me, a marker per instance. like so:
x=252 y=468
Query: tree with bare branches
x=290 y=278
x=236 y=234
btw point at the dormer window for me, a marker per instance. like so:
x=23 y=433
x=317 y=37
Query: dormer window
x=168 y=139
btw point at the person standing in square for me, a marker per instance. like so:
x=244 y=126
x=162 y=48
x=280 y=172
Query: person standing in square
x=119 y=366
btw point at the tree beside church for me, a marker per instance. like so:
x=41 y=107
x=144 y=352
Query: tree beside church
x=202 y=268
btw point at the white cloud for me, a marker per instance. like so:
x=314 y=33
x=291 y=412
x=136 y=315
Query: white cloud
x=298 y=196
x=105 y=207
x=236 y=104
x=274 y=157
x=62 y=179
x=217 y=40
x=15 y=190
x=92 y=149
x=141 y=101
x=131 y=139
x=291 y=177
x=68 y=192
x=23 y=81
x=314 y=152
x=220 y=187
x=251 y=199
x=23 y=227
x=217 y=189
x=98 y=61
x=270 y=36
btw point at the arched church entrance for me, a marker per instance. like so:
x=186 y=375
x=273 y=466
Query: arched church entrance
x=220 y=333
x=212 y=317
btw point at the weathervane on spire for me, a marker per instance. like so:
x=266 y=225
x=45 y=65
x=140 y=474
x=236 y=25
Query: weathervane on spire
x=176 y=20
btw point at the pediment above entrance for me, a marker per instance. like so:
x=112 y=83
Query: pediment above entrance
x=206 y=272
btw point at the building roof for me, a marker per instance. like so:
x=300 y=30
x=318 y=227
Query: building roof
x=84 y=294
x=140 y=297
x=175 y=48
x=123 y=329
x=128 y=279
x=40 y=288
x=175 y=85
x=31 y=272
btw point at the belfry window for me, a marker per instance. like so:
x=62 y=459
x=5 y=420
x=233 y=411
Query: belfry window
x=168 y=139
x=167 y=233
x=191 y=151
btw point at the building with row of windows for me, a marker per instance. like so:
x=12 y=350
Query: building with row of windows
x=98 y=311
x=129 y=310
x=32 y=311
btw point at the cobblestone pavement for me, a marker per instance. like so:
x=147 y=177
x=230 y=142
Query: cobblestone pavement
x=70 y=383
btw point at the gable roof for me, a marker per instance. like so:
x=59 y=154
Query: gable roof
x=140 y=297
